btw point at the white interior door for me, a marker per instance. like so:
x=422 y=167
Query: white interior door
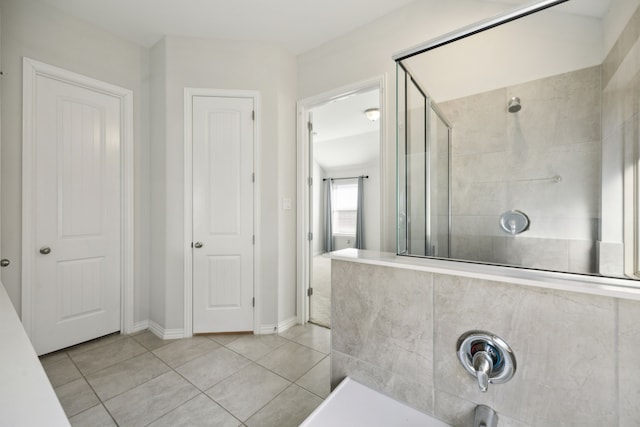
x=223 y=233
x=76 y=246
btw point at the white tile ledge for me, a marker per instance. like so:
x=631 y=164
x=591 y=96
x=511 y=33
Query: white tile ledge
x=594 y=285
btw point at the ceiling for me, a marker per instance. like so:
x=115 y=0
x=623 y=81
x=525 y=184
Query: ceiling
x=295 y=24
x=343 y=136
x=345 y=117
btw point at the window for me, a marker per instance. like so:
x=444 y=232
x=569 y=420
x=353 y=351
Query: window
x=344 y=202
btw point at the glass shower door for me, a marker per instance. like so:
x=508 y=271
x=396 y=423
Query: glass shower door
x=423 y=172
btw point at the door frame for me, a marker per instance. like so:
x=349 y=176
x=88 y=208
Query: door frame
x=31 y=70
x=189 y=93
x=304 y=226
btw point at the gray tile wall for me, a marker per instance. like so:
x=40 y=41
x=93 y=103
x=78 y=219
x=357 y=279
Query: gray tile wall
x=500 y=161
x=620 y=134
x=396 y=330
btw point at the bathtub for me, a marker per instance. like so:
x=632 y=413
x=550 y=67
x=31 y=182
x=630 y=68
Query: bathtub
x=353 y=404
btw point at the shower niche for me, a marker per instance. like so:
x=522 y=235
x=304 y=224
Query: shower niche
x=535 y=115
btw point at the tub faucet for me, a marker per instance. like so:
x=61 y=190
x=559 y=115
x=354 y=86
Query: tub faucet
x=484 y=416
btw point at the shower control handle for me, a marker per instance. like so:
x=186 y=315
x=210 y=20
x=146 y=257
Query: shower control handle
x=483 y=365
x=487 y=357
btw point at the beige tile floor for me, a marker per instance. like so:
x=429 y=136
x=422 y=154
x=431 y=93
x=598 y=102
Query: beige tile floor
x=207 y=380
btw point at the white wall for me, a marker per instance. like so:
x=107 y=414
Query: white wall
x=285 y=78
x=367 y=52
x=541 y=45
x=43 y=33
x=214 y=64
x=158 y=130
x=157 y=77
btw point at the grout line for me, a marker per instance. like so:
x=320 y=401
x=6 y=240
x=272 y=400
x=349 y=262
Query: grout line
x=220 y=405
x=137 y=385
x=174 y=369
x=94 y=392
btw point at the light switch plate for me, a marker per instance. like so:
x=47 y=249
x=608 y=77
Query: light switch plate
x=286 y=204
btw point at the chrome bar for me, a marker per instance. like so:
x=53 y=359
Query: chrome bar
x=348 y=177
x=478 y=27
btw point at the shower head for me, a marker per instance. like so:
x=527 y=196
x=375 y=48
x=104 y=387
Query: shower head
x=514 y=105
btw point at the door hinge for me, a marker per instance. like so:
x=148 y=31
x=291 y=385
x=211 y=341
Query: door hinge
x=253 y=177
x=310 y=181
x=253 y=115
x=309 y=292
x=253 y=301
x=253 y=239
x=310 y=126
x=310 y=236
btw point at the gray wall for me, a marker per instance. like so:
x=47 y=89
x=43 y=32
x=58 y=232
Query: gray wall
x=396 y=329
x=500 y=161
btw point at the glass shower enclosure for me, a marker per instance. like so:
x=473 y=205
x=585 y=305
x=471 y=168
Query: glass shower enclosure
x=423 y=171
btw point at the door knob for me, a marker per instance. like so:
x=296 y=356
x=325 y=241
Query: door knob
x=45 y=250
x=4 y=262
x=198 y=245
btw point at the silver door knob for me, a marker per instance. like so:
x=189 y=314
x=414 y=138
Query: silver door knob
x=198 y=245
x=45 y=250
x=4 y=262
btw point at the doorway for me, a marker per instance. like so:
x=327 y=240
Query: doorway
x=77 y=172
x=220 y=143
x=340 y=143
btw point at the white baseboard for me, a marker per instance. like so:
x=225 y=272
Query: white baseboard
x=267 y=329
x=280 y=327
x=140 y=326
x=286 y=324
x=170 y=334
x=165 y=334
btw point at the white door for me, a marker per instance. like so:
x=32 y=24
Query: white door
x=76 y=271
x=223 y=256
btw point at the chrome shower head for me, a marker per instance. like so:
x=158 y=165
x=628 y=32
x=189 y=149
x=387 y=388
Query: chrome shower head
x=514 y=105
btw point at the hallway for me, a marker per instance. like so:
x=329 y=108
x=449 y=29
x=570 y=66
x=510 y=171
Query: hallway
x=212 y=380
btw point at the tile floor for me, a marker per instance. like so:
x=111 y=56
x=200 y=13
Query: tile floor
x=207 y=380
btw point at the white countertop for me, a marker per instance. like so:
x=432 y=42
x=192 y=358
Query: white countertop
x=352 y=404
x=26 y=396
x=595 y=285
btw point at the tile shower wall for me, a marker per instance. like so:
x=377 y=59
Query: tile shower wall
x=396 y=330
x=620 y=138
x=503 y=161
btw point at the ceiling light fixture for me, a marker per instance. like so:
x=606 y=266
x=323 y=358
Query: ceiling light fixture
x=372 y=114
